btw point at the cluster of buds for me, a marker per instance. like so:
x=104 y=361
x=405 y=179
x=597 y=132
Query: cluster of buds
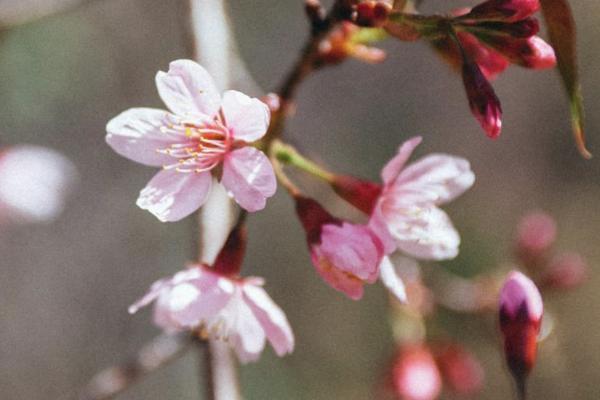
x=348 y=40
x=534 y=249
x=481 y=42
x=421 y=371
x=35 y=183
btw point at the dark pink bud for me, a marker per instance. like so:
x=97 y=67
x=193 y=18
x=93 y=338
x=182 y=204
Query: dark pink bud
x=504 y=10
x=533 y=52
x=521 y=29
x=489 y=60
x=313 y=216
x=520 y=313
x=361 y=194
x=372 y=13
x=461 y=371
x=565 y=271
x=229 y=261
x=415 y=375
x=483 y=101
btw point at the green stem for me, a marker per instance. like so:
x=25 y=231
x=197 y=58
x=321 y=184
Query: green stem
x=287 y=154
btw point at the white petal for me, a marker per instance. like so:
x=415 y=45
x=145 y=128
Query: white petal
x=391 y=280
x=188 y=89
x=173 y=195
x=136 y=134
x=246 y=117
x=272 y=319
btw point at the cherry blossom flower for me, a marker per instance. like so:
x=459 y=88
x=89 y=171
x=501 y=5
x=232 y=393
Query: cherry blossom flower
x=404 y=211
x=235 y=309
x=346 y=255
x=34 y=183
x=520 y=313
x=201 y=132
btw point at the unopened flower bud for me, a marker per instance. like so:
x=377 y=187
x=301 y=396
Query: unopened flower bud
x=483 y=101
x=372 y=13
x=520 y=315
x=415 y=375
x=532 y=52
x=505 y=10
x=565 y=271
x=461 y=371
x=536 y=233
x=229 y=261
x=340 y=44
x=360 y=193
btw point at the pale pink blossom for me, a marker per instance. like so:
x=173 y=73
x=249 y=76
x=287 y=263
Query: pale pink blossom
x=406 y=215
x=234 y=309
x=346 y=255
x=202 y=131
x=415 y=375
x=34 y=183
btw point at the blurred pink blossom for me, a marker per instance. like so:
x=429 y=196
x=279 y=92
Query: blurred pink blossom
x=234 y=309
x=201 y=132
x=415 y=375
x=536 y=233
x=34 y=183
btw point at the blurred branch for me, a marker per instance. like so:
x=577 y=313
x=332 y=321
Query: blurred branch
x=159 y=352
x=18 y=12
x=212 y=43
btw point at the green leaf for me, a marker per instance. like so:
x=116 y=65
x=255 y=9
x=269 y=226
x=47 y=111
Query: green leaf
x=562 y=34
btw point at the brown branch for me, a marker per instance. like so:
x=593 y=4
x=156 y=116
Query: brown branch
x=157 y=353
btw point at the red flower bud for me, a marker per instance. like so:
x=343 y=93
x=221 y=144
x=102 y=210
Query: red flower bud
x=415 y=375
x=520 y=313
x=504 y=10
x=483 y=101
x=361 y=194
x=372 y=13
x=565 y=271
x=229 y=261
x=533 y=52
x=461 y=371
x=521 y=29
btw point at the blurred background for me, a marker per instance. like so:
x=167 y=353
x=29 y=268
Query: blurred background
x=65 y=286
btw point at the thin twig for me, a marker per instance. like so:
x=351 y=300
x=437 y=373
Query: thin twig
x=157 y=353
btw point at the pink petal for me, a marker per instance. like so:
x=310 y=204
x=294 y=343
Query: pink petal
x=272 y=319
x=446 y=176
x=517 y=290
x=378 y=226
x=248 y=176
x=149 y=297
x=246 y=117
x=136 y=134
x=353 y=249
x=428 y=235
x=395 y=165
x=338 y=279
x=173 y=195
x=188 y=89
x=391 y=280
x=247 y=335
x=200 y=299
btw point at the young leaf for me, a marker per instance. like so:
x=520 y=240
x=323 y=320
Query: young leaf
x=561 y=30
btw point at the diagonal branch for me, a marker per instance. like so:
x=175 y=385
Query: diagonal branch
x=159 y=352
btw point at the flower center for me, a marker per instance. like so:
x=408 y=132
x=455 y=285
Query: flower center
x=201 y=146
